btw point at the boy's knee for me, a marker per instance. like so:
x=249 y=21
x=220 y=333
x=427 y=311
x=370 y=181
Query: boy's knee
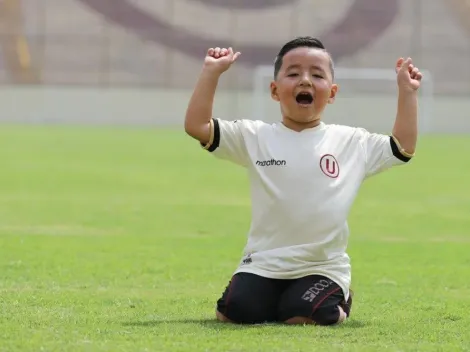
x=222 y=318
x=240 y=311
x=248 y=299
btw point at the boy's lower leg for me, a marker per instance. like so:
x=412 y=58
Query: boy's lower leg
x=310 y=321
x=291 y=321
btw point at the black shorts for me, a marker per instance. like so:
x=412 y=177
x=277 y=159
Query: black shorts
x=253 y=299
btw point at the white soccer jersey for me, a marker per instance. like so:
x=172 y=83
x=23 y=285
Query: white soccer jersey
x=302 y=187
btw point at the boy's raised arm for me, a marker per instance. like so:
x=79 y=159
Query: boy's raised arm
x=198 y=118
x=405 y=130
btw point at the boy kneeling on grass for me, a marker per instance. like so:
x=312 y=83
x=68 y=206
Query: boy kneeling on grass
x=304 y=177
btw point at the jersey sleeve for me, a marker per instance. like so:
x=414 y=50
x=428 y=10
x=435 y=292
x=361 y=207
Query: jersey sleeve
x=230 y=139
x=381 y=152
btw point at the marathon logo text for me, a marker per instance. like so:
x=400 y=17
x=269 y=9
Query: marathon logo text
x=272 y=162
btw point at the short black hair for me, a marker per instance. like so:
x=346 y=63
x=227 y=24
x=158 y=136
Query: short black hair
x=300 y=42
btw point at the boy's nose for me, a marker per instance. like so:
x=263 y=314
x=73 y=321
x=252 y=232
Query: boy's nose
x=305 y=83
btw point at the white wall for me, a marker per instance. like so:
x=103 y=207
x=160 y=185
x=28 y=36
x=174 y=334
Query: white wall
x=167 y=107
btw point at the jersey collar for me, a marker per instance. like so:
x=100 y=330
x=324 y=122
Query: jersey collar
x=311 y=130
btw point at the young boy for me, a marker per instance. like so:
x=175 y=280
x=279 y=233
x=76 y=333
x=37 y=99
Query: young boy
x=304 y=177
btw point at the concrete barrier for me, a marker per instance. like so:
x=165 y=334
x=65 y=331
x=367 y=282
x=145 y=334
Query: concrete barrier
x=157 y=107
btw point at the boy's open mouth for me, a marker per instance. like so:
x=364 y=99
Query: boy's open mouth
x=304 y=98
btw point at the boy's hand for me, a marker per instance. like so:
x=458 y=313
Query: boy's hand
x=219 y=60
x=408 y=76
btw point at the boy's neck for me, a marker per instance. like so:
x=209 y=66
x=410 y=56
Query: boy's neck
x=300 y=126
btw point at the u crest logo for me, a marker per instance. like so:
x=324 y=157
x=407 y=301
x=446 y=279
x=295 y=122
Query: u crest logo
x=329 y=166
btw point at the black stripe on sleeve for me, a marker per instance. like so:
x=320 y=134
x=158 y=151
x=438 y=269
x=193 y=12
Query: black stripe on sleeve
x=216 y=140
x=396 y=151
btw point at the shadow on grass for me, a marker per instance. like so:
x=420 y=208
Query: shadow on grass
x=217 y=325
x=205 y=323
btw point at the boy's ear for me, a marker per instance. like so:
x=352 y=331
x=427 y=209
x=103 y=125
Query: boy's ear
x=273 y=88
x=333 y=92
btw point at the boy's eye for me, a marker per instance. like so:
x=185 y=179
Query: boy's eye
x=318 y=76
x=292 y=74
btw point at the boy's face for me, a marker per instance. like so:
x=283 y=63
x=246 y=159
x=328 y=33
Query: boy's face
x=304 y=85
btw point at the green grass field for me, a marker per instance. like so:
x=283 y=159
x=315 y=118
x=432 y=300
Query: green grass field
x=123 y=239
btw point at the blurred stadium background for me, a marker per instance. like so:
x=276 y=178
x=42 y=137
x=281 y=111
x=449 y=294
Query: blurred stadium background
x=135 y=61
